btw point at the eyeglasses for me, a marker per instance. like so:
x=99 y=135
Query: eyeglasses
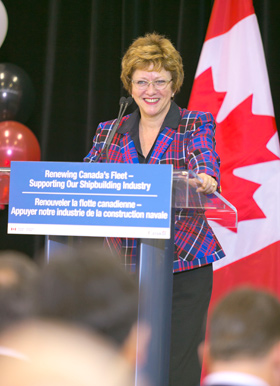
x=159 y=84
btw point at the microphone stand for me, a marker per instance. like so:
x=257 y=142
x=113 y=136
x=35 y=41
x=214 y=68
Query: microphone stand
x=124 y=103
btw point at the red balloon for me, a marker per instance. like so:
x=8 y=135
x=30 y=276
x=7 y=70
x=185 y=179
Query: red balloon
x=17 y=143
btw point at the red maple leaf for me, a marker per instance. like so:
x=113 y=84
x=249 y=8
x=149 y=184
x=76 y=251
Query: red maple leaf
x=241 y=139
x=203 y=96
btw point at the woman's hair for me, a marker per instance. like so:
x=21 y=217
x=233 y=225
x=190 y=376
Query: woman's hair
x=152 y=49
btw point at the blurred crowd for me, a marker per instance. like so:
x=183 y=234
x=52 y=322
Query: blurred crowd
x=72 y=321
x=69 y=321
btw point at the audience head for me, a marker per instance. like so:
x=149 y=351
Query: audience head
x=244 y=336
x=18 y=278
x=60 y=354
x=87 y=286
x=244 y=323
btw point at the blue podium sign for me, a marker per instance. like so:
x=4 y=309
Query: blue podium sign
x=87 y=199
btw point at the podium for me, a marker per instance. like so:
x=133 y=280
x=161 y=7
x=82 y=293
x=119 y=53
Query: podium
x=155 y=267
x=156 y=270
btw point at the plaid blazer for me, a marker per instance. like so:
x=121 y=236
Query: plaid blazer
x=190 y=146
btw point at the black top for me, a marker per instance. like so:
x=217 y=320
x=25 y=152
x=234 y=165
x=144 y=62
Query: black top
x=131 y=126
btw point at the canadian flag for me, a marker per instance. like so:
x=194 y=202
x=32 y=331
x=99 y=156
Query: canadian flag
x=231 y=81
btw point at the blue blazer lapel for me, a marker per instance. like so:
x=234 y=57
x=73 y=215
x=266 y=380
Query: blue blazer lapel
x=163 y=142
x=128 y=150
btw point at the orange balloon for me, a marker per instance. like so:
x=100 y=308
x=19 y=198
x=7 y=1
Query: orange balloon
x=17 y=143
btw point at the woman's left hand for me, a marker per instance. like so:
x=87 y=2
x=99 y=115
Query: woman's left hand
x=208 y=185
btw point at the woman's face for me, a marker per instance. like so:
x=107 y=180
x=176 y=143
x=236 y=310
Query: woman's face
x=152 y=102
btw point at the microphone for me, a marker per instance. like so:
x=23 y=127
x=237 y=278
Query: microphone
x=124 y=103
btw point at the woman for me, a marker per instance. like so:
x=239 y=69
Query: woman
x=161 y=132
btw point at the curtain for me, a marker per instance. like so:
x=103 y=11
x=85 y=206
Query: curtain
x=72 y=52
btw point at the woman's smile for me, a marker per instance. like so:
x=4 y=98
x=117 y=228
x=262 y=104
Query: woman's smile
x=152 y=102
